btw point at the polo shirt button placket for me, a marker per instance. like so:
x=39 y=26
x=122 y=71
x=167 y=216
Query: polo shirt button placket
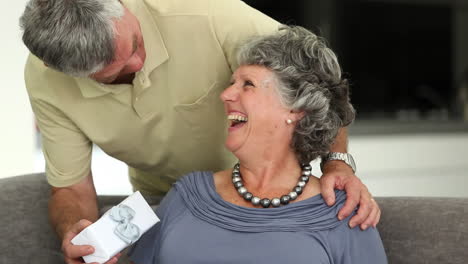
x=137 y=106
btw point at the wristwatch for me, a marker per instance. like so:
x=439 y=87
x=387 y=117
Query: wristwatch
x=345 y=157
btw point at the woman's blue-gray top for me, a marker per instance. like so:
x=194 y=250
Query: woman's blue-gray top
x=198 y=226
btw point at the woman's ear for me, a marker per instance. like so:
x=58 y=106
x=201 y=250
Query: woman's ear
x=296 y=115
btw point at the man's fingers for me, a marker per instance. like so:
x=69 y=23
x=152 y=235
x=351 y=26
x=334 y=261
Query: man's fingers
x=75 y=230
x=365 y=207
x=327 y=189
x=74 y=252
x=361 y=215
x=349 y=206
x=377 y=219
x=76 y=261
x=78 y=227
x=353 y=197
x=369 y=221
x=114 y=259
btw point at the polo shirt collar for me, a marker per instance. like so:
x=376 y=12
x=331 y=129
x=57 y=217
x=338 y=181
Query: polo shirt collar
x=90 y=88
x=156 y=52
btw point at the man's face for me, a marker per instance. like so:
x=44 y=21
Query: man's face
x=130 y=51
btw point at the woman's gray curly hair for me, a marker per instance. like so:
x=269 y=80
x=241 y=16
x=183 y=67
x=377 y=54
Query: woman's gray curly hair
x=309 y=80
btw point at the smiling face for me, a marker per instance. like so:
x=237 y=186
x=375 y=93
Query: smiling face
x=129 y=54
x=257 y=116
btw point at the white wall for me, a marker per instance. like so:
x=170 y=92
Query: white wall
x=390 y=165
x=17 y=125
x=413 y=165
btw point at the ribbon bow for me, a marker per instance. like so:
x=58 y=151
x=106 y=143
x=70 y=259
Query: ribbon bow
x=125 y=230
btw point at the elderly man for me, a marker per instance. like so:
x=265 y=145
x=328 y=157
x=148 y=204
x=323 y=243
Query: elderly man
x=142 y=79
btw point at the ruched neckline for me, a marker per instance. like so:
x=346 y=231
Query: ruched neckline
x=198 y=191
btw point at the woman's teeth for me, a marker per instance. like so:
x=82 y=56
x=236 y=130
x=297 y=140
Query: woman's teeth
x=237 y=118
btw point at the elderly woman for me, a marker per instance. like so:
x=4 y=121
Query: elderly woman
x=285 y=105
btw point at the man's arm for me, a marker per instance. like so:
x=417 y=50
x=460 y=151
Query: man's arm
x=68 y=205
x=72 y=209
x=337 y=174
x=341 y=141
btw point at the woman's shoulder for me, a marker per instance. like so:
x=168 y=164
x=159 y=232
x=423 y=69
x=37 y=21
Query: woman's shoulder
x=175 y=201
x=195 y=185
x=196 y=179
x=355 y=244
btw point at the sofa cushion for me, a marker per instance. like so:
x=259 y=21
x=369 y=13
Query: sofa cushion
x=29 y=237
x=424 y=230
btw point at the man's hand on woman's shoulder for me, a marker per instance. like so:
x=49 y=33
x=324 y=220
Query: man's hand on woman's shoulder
x=338 y=175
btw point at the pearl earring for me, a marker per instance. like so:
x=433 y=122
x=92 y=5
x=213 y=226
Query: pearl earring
x=289 y=121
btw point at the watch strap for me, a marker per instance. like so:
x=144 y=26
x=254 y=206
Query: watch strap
x=345 y=157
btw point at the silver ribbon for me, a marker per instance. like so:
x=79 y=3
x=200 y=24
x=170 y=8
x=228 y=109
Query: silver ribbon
x=125 y=230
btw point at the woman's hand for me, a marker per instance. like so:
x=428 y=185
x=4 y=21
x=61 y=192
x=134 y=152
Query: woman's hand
x=338 y=175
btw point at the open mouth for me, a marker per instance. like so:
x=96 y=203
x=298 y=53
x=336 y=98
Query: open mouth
x=237 y=120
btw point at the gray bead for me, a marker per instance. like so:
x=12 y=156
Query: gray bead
x=305 y=178
x=236 y=179
x=306 y=172
x=301 y=183
x=265 y=202
x=285 y=199
x=235 y=173
x=298 y=190
x=293 y=195
x=237 y=166
x=248 y=196
x=306 y=166
x=275 y=202
x=238 y=184
x=255 y=200
x=242 y=190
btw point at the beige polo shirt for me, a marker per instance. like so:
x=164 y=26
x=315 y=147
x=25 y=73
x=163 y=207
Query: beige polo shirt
x=170 y=121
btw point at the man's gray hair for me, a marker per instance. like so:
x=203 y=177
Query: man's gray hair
x=75 y=37
x=309 y=80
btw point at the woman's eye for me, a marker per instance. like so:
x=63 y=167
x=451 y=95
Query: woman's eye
x=248 y=83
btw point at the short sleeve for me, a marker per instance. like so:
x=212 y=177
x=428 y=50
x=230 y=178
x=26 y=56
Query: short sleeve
x=351 y=246
x=67 y=151
x=234 y=22
x=146 y=249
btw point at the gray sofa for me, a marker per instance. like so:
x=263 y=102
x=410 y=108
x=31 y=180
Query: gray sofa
x=413 y=230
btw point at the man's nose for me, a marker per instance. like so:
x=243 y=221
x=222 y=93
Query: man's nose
x=135 y=64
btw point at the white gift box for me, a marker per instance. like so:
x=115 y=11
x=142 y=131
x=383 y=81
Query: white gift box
x=119 y=227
